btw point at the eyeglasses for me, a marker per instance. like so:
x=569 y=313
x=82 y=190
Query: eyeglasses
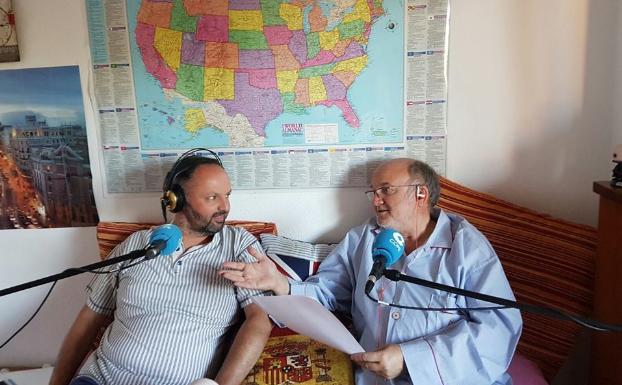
x=385 y=191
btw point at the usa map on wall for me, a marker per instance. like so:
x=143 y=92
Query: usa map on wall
x=290 y=93
x=257 y=73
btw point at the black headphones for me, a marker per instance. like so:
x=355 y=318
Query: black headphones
x=173 y=197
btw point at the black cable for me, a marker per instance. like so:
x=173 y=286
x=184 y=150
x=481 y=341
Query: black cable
x=52 y=288
x=31 y=318
x=585 y=322
x=436 y=308
x=395 y=275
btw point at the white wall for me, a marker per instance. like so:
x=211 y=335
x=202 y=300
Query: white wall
x=530 y=120
x=50 y=33
x=531 y=100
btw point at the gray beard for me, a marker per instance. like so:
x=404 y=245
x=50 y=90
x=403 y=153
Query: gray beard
x=207 y=230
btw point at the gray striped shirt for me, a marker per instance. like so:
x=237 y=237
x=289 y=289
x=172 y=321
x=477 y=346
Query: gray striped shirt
x=171 y=316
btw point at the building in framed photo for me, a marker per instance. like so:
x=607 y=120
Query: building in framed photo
x=45 y=174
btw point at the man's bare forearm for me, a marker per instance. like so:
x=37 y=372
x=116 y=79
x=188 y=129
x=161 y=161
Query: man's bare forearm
x=76 y=345
x=246 y=349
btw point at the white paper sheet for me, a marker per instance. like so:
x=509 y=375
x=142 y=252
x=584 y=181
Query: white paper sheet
x=308 y=317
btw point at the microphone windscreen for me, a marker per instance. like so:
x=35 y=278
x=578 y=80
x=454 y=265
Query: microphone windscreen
x=388 y=244
x=169 y=233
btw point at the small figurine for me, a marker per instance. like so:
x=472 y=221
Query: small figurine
x=616 y=179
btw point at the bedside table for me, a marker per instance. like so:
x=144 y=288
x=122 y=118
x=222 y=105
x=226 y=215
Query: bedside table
x=606 y=353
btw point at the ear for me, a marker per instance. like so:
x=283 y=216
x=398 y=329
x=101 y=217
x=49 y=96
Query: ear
x=421 y=192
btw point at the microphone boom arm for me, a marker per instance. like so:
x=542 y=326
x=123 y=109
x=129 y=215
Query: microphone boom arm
x=74 y=271
x=395 y=275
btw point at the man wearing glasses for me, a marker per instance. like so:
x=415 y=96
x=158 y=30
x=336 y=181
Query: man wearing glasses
x=411 y=346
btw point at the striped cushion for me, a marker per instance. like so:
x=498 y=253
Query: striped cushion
x=110 y=234
x=549 y=262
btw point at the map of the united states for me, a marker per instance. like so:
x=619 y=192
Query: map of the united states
x=257 y=58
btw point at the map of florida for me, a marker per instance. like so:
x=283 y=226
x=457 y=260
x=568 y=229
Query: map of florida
x=258 y=58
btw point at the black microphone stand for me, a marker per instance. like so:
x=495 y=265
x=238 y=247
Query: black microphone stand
x=395 y=275
x=74 y=271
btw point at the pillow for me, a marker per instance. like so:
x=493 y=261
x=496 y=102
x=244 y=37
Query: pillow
x=292 y=358
x=296 y=259
x=525 y=372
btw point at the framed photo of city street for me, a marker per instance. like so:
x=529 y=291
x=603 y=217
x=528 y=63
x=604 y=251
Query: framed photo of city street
x=45 y=174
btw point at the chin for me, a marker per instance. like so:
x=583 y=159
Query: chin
x=216 y=228
x=211 y=229
x=383 y=222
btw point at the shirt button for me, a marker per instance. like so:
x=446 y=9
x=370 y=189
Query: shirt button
x=395 y=315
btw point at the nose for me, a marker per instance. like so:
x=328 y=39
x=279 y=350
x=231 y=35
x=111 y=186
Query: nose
x=377 y=200
x=223 y=203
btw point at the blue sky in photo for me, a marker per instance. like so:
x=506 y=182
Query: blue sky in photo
x=52 y=93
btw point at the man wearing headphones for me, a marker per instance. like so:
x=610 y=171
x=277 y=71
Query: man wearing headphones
x=456 y=345
x=173 y=315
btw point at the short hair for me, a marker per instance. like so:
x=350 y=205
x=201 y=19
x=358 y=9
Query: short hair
x=422 y=172
x=188 y=166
